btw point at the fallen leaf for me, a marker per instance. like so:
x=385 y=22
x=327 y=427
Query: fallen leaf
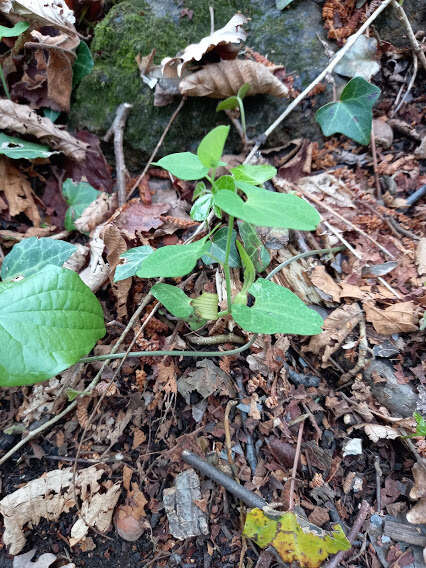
x=116 y=245
x=421 y=257
x=18 y=192
x=206 y=380
x=135 y=217
x=322 y=280
x=50 y=12
x=97 y=212
x=417 y=515
x=309 y=545
x=43 y=561
x=96 y=273
x=419 y=488
x=398 y=318
x=223 y=79
x=129 y=518
x=378 y=432
x=139 y=438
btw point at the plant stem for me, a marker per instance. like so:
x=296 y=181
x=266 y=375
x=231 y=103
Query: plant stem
x=226 y=263
x=243 y=118
x=3 y=81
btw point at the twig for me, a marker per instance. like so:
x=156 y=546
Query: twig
x=410 y=85
x=217 y=339
x=375 y=165
x=228 y=441
x=379 y=474
x=318 y=79
x=362 y=352
x=211 y=10
x=295 y=464
x=248 y=497
x=160 y=141
x=393 y=223
x=416 y=47
x=389 y=287
x=250 y=449
x=352 y=536
x=117 y=130
x=342 y=239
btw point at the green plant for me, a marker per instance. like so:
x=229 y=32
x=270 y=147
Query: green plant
x=18 y=29
x=239 y=195
x=237 y=102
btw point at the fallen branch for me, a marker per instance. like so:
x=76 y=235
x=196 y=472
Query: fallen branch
x=416 y=47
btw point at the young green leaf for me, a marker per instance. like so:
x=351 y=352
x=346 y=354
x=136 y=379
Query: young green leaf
x=172 y=261
x=51 y=114
x=256 y=175
x=48 y=321
x=276 y=310
x=352 y=115
x=83 y=64
x=254 y=246
x=217 y=250
x=269 y=209
x=133 y=258
x=249 y=276
x=200 y=189
x=173 y=299
x=201 y=208
x=16 y=148
x=78 y=195
x=227 y=104
x=421 y=424
x=32 y=254
x=243 y=90
x=18 y=29
x=183 y=165
x=224 y=182
x=206 y=306
x=211 y=146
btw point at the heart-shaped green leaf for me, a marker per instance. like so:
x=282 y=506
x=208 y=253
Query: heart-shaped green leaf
x=269 y=209
x=254 y=246
x=133 y=258
x=172 y=261
x=211 y=146
x=173 y=299
x=183 y=165
x=48 y=321
x=79 y=195
x=352 y=115
x=256 y=175
x=32 y=254
x=17 y=148
x=276 y=310
x=217 y=250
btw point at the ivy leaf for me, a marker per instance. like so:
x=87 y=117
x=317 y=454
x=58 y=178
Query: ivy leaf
x=16 y=148
x=48 y=321
x=352 y=115
x=18 y=29
x=32 y=254
x=254 y=246
x=276 y=310
x=217 y=250
x=133 y=258
x=183 y=165
x=309 y=548
x=201 y=208
x=211 y=146
x=269 y=209
x=83 y=64
x=78 y=195
x=173 y=299
x=256 y=175
x=172 y=261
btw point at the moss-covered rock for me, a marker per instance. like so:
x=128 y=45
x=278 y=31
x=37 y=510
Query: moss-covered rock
x=287 y=37
x=390 y=28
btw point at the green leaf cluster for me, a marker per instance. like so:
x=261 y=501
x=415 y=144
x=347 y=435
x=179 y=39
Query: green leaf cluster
x=78 y=195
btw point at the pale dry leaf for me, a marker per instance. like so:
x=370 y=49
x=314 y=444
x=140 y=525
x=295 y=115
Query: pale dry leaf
x=421 y=257
x=96 y=273
x=398 y=318
x=17 y=191
x=223 y=79
x=227 y=38
x=322 y=280
x=78 y=258
x=418 y=491
x=127 y=476
x=47 y=12
x=378 y=432
x=116 y=245
x=417 y=515
x=139 y=438
x=22 y=119
x=48 y=497
x=206 y=379
x=97 y=212
x=43 y=561
x=129 y=518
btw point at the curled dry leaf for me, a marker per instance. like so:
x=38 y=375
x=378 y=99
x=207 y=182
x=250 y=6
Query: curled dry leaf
x=223 y=79
x=322 y=280
x=51 y=495
x=43 y=561
x=97 y=212
x=116 y=245
x=398 y=318
x=225 y=41
x=378 y=432
x=20 y=118
x=48 y=12
x=18 y=192
x=421 y=257
x=96 y=273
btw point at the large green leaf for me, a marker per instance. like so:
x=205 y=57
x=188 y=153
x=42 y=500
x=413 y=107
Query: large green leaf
x=17 y=148
x=352 y=115
x=78 y=195
x=254 y=246
x=83 y=64
x=183 y=165
x=276 y=310
x=18 y=29
x=31 y=255
x=211 y=146
x=172 y=261
x=269 y=209
x=217 y=250
x=48 y=321
x=133 y=258
x=173 y=299
x=255 y=175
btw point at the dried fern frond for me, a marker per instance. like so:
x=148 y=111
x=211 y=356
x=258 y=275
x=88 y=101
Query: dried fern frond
x=223 y=79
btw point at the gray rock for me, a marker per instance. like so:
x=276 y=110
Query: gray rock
x=390 y=29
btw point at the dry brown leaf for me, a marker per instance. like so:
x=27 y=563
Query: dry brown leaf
x=419 y=488
x=129 y=519
x=421 y=257
x=139 y=438
x=51 y=495
x=225 y=41
x=337 y=327
x=22 y=119
x=135 y=217
x=127 y=476
x=417 y=515
x=97 y=212
x=206 y=380
x=116 y=245
x=322 y=280
x=17 y=190
x=59 y=79
x=350 y=291
x=378 y=432
x=96 y=273
x=47 y=12
x=398 y=318
x=223 y=79
x=43 y=561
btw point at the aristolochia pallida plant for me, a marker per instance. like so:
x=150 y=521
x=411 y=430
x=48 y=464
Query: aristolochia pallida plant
x=49 y=318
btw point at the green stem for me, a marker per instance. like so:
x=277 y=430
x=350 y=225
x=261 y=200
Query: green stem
x=3 y=81
x=243 y=118
x=226 y=268
x=211 y=353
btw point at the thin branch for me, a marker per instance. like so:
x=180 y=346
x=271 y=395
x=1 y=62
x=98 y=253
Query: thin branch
x=339 y=55
x=295 y=464
x=416 y=47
